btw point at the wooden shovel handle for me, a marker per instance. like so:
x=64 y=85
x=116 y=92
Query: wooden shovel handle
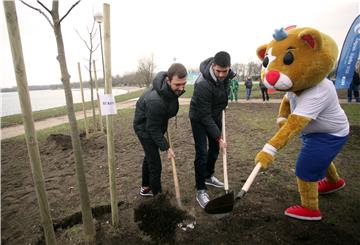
x=224 y=154
x=251 y=177
x=175 y=177
x=249 y=181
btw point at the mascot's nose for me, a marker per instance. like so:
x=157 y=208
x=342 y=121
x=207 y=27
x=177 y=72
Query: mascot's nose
x=272 y=77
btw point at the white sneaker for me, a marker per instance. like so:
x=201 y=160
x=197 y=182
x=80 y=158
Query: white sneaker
x=213 y=181
x=202 y=198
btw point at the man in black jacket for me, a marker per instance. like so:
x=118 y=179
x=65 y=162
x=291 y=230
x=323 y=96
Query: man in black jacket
x=153 y=110
x=210 y=98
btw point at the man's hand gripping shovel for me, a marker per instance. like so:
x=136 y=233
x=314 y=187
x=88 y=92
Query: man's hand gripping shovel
x=225 y=203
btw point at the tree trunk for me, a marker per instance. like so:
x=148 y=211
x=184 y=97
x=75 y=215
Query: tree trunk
x=98 y=99
x=89 y=228
x=83 y=101
x=30 y=133
x=92 y=88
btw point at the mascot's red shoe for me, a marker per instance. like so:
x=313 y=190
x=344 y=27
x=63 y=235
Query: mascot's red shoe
x=300 y=212
x=325 y=187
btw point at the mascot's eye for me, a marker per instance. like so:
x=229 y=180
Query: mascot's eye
x=265 y=62
x=288 y=58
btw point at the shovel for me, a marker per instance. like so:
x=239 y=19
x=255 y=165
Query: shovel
x=248 y=182
x=184 y=225
x=175 y=177
x=225 y=203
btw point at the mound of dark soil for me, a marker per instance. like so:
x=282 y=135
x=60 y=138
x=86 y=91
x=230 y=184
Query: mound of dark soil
x=158 y=218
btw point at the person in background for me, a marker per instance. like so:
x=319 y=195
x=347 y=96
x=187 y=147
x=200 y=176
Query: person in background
x=248 y=87
x=264 y=91
x=209 y=99
x=354 y=85
x=234 y=86
x=153 y=110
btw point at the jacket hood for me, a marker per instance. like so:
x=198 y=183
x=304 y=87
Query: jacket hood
x=205 y=69
x=160 y=85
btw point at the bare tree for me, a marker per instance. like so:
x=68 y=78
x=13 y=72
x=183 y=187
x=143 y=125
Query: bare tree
x=240 y=69
x=146 y=69
x=253 y=69
x=92 y=48
x=55 y=23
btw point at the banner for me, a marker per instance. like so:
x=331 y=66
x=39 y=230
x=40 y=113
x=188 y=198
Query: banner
x=348 y=56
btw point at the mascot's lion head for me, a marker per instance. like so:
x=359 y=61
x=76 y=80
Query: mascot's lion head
x=297 y=59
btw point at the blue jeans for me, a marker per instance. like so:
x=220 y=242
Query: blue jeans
x=248 y=93
x=205 y=157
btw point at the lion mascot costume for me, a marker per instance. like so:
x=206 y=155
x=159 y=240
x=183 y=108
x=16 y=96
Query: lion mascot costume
x=298 y=61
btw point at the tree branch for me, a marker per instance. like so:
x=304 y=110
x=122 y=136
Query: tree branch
x=70 y=10
x=39 y=10
x=44 y=7
x=86 y=44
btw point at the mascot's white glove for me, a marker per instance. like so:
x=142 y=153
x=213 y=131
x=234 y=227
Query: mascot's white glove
x=281 y=121
x=266 y=156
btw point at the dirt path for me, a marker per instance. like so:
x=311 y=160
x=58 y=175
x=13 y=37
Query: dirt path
x=14 y=131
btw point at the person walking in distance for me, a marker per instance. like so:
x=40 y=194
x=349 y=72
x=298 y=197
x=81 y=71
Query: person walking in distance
x=209 y=99
x=234 y=86
x=248 y=87
x=153 y=110
x=354 y=85
x=264 y=91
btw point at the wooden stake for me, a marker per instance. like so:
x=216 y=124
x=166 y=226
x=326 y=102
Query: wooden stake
x=98 y=98
x=109 y=118
x=30 y=133
x=83 y=101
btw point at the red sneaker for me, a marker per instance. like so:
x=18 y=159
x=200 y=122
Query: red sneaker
x=325 y=187
x=300 y=212
x=146 y=192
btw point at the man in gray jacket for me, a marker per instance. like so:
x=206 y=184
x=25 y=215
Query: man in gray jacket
x=209 y=99
x=153 y=110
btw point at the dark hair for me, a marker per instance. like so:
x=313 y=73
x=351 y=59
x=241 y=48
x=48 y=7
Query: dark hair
x=177 y=69
x=222 y=59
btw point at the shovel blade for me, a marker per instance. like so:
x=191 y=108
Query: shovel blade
x=219 y=205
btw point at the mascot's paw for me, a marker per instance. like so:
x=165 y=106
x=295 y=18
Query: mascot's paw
x=264 y=158
x=300 y=212
x=325 y=187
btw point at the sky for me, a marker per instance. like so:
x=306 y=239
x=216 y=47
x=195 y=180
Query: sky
x=187 y=31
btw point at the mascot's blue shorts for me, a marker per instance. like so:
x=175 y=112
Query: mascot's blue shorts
x=316 y=154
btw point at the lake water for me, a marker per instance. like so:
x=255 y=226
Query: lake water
x=45 y=99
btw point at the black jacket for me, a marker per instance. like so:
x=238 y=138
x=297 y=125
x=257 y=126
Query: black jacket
x=153 y=110
x=210 y=97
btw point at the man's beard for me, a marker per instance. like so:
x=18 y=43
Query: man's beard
x=178 y=92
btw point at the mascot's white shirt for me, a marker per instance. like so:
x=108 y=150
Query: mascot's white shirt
x=321 y=104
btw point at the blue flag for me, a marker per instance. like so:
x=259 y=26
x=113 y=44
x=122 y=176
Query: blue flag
x=348 y=56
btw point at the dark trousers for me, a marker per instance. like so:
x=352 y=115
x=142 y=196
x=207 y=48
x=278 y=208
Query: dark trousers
x=205 y=157
x=264 y=93
x=353 y=88
x=151 y=167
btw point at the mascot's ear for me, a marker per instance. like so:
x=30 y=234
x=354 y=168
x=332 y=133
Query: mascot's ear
x=311 y=37
x=261 y=51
